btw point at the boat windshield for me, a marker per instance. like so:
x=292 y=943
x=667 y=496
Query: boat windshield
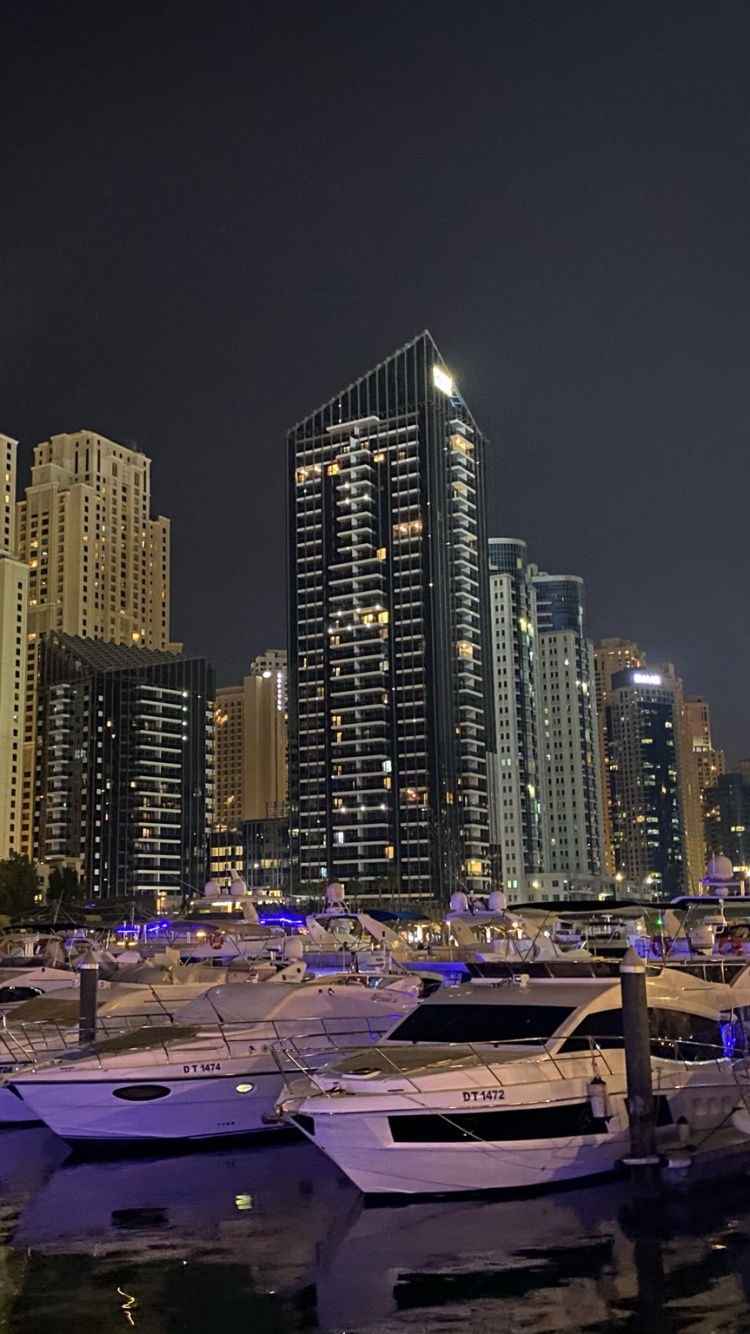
x=137 y=1039
x=481 y=1023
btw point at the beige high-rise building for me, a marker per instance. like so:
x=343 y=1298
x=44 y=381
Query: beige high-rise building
x=610 y=656
x=250 y=750
x=710 y=762
x=14 y=582
x=98 y=563
x=701 y=767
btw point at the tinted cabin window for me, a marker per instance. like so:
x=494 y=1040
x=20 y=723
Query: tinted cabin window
x=677 y=1036
x=603 y=1029
x=481 y=1023
x=9 y=994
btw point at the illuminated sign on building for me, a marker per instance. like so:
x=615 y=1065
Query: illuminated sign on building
x=442 y=381
x=646 y=679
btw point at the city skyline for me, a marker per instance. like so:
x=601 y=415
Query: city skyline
x=570 y=232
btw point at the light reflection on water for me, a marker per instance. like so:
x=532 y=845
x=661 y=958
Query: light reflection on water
x=273 y=1239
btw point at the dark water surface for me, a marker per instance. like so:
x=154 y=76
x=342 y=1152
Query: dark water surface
x=271 y=1239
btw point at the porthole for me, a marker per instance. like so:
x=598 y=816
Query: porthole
x=244 y=1088
x=141 y=1092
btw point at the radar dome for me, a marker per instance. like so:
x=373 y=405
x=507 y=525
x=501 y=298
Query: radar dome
x=335 y=893
x=459 y=903
x=238 y=888
x=211 y=890
x=496 y=901
x=720 y=868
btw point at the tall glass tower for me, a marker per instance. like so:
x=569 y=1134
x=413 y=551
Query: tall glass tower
x=572 y=791
x=388 y=707
x=516 y=774
x=643 y=721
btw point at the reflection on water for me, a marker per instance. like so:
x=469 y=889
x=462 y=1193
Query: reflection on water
x=273 y=1239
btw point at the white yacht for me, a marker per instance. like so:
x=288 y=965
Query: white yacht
x=217 y=1071
x=517 y=1085
x=36 y=1026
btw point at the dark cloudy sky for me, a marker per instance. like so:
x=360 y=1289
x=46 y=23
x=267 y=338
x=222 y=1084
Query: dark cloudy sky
x=215 y=215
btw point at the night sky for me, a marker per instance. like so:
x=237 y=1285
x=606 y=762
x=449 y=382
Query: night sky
x=214 y=216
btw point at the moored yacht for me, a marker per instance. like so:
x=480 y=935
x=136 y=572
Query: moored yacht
x=36 y=1026
x=217 y=1071
x=517 y=1085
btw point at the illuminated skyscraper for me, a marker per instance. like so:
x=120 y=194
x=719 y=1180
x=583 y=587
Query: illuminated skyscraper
x=516 y=824
x=610 y=656
x=251 y=777
x=572 y=785
x=388 y=682
x=124 y=766
x=98 y=563
x=14 y=583
x=643 y=722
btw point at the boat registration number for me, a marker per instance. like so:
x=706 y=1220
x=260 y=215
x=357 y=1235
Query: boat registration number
x=202 y=1068
x=483 y=1095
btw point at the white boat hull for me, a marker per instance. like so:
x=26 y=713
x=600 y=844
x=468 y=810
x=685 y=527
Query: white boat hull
x=207 y=1107
x=385 y=1150
x=363 y=1149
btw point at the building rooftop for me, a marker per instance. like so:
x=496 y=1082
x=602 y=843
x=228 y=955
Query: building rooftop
x=105 y=656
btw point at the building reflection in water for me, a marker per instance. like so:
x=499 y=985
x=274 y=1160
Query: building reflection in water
x=275 y=1236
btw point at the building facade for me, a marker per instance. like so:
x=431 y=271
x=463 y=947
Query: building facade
x=251 y=744
x=571 y=772
x=515 y=768
x=727 y=820
x=98 y=563
x=643 y=722
x=388 y=681
x=610 y=656
x=255 y=850
x=14 y=584
x=124 y=767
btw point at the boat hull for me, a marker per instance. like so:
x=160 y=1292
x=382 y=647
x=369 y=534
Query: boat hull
x=363 y=1148
x=429 y=1143
x=100 y=1110
x=15 y=1112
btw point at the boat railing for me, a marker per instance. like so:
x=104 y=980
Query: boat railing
x=41 y=1041
x=489 y=1055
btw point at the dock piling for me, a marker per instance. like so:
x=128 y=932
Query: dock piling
x=643 y=1157
x=89 y=973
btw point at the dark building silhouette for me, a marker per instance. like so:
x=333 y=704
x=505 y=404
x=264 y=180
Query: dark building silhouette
x=642 y=721
x=726 y=819
x=124 y=766
x=388 y=679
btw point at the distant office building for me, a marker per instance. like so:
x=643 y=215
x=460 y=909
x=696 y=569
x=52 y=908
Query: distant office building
x=710 y=761
x=255 y=850
x=124 y=766
x=388 y=681
x=515 y=768
x=727 y=820
x=700 y=767
x=14 y=583
x=643 y=721
x=98 y=563
x=251 y=742
x=610 y=656
x=572 y=791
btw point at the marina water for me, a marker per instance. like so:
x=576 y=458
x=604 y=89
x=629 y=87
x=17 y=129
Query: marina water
x=272 y=1238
